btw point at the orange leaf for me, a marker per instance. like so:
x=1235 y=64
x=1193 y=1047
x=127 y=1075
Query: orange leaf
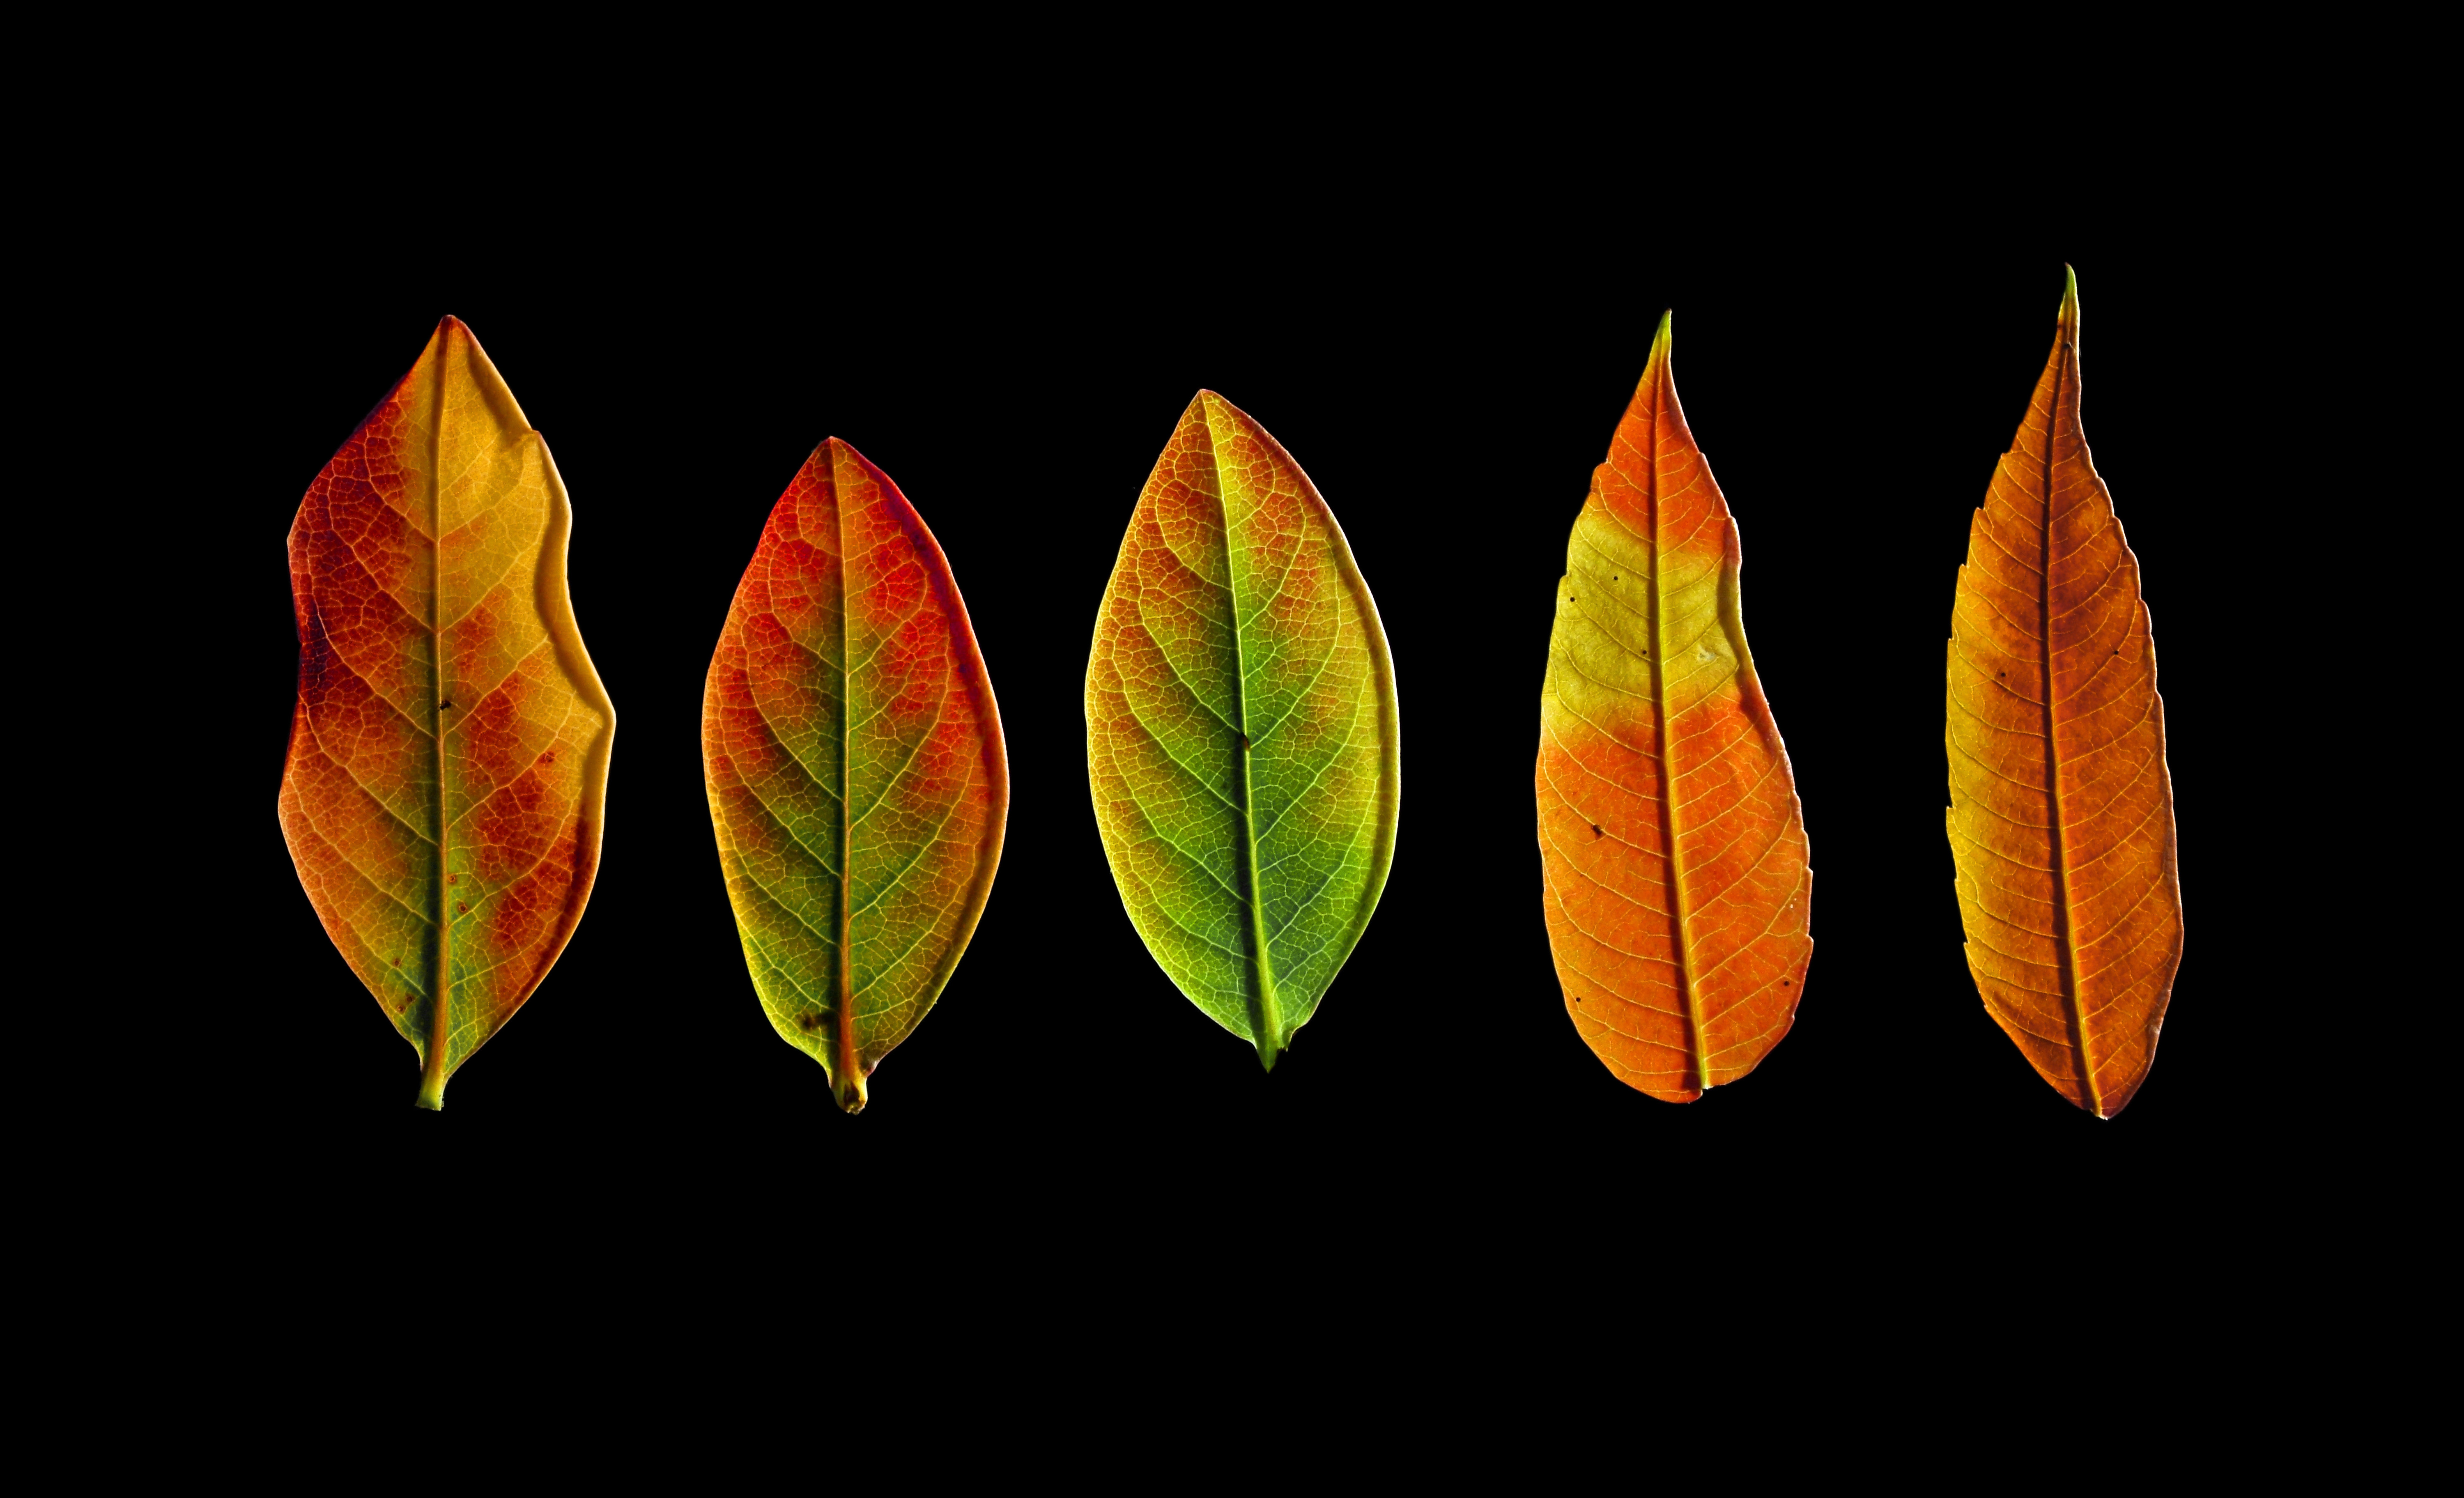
x=2061 y=808
x=1671 y=843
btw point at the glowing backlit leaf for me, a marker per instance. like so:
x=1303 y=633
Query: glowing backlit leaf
x=854 y=761
x=2061 y=806
x=1240 y=730
x=446 y=778
x=1672 y=847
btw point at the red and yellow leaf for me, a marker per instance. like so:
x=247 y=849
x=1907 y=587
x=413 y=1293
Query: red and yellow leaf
x=447 y=777
x=1672 y=847
x=2061 y=806
x=853 y=757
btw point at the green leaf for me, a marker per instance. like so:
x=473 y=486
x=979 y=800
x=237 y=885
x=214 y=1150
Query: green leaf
x=1240 y=730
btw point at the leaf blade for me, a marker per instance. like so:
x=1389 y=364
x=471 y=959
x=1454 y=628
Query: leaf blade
x=444 y=792
x=852 y=753
x=2061 y=814
x=1243 y=743
x=1675 y=873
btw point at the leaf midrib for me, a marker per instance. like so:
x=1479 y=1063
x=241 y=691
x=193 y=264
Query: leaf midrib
x=1661 y=392
x=1265 y=1008
x=440 y=1001
x=2065 y=964
x=848 y=1063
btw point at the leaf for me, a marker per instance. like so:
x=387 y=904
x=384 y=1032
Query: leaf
x=2062 y=808
x=854 y=761
x=1240 y=730
x=1672 y=847
x=447 y=779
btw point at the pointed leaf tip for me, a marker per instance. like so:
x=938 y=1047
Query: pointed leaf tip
x=1656 y=367
x=2069 y=295
x=842 y=453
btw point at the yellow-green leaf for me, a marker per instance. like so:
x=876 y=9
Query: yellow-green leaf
x=1242 y=730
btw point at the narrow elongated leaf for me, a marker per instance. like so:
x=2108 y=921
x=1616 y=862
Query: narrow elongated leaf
x=447 y=771
x=2061 y=806
x=855 y=767
x=1672 y=847
x=1240 y=729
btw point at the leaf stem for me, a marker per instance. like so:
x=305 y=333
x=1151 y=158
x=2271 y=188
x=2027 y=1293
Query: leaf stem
x=851 y=1091
x=431 y=1079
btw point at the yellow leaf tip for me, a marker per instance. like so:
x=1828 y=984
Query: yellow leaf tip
x=2070 y=294
x=1659 y=344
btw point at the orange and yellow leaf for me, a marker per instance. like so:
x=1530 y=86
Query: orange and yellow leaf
x=2061 y=806
x=1672 y=847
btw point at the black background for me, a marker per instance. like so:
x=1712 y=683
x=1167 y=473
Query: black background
x=1449 y=366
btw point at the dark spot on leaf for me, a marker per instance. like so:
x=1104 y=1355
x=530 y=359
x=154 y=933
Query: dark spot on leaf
x=548 y=757
x=397 y=961
x=444 y=707
x=1596 y=829
x=808 y=1022
x=1244 y=741
x=460 y=909
x=453 y=878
